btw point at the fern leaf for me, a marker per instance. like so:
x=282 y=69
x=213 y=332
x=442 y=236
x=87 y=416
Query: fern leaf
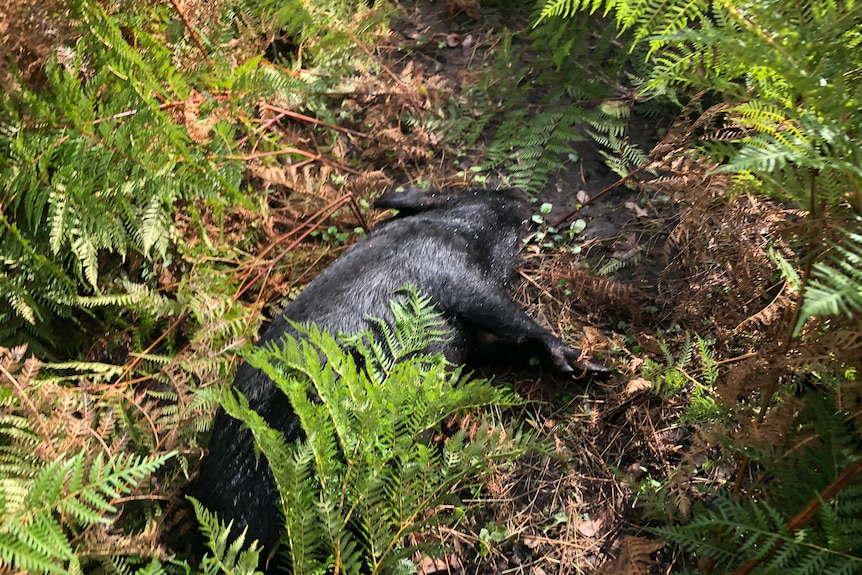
x=32 y=538
x=364 y=461
x=154 y=227
x=227 y=550
x=836 y=286
x=58 y=226
x=35 y=546
x=566 y=8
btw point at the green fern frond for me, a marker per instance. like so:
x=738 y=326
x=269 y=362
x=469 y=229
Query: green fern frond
x=120 y=300
x=416 y=326
x=365 y=460
x=609 y=129
x=20 y=305
x=84 y=488
x=82 y=370
x=836 y=285
x=613 y=265
x=417 y=323
x=737 y=531
x=533 y=146
x=567 y=8
x=154 y=227
x=227 y=553
x=692 y=371
x=57 y=203
x=78 y=488
x=38 y=546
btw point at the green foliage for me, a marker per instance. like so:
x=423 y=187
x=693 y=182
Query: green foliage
x=580 y=56
x=550 y=237
x=327 y=30
x=789 y=73
x=675 y=377
x=539 y=110
x=368 y=464
x=416 y=326
x=836 y=285
x=96 y=166
x=226 y=553
x=793 y=472
x=136 y=124
x=78 y=488
x=610 y=129
x=737 y=530
x=790 y=66
x=533 y=145
x=76 y=455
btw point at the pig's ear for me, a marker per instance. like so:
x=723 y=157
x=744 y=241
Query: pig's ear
x=412 y=200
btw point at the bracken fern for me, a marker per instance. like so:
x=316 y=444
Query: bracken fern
x=366 y=477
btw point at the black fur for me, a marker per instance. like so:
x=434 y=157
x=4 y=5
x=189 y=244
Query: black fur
x=457 y=248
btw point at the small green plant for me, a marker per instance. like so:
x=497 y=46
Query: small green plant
x=548 y=236
x=367 y=476
x=226 y=552
x=332 y=236
x=490 y=535
x=695 y=372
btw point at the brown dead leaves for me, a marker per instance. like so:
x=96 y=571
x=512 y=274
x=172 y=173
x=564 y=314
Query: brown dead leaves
x=634 y=558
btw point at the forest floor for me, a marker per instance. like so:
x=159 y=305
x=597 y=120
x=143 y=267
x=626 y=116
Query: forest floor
x=29 y=33
x=678 y=260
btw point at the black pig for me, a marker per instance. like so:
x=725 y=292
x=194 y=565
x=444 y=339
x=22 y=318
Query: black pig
x=457 y=248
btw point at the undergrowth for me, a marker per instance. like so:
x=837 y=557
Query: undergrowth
x=393 y=436
x=149 y=119
x=135 y=179
x=367 y=489
x=576 y=87
x=127 y=207
x=786 y=128
x=80 y=464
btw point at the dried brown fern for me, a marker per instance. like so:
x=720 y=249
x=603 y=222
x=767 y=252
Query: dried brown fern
x=61 y=410
x=634 y=557
x=720 y=268
x=604 y=293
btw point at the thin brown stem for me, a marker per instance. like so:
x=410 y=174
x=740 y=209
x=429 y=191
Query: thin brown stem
x=310 y=120
x=613 y=186
x=810 y=510
x=312 y=225
x=189 y=27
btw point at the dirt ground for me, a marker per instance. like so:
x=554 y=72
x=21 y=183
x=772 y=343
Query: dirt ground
x=29 y=31
x=680 y=260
